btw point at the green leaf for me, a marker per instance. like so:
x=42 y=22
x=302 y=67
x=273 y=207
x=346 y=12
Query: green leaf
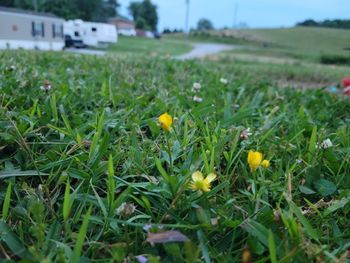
x=6 y=204
x=272 y=247
x=161 y=169
x=336 y=205
x=110 y=183
x=13 y=242
x=308 y=228
x=203 y=246
x=53 y=106
x=257 y=230
x=324 y=187
x=52 y=235
x=66 y=121
x=306 y=190
x=81 y=237
x=66 y=201
x=312 y=145
x=17 y=173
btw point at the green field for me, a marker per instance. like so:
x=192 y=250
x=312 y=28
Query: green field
x=295 y=57
x=305 y=43
x=89 y=175
x=309 y=41
x=127 y=46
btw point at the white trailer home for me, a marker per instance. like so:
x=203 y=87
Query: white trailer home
x=91 y=33
x=30 y=30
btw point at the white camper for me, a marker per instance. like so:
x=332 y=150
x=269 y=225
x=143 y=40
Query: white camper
x=91 y=33
x=30 y=30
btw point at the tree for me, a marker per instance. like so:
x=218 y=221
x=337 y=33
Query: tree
x=204 y=24
x=89 y=10
x=108 y=9
x=308 y=22
x=144 y=14
x=7 y=3
x=337 y=23
x=141 y=23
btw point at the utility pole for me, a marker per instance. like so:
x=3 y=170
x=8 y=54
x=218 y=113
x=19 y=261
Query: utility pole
x=235 y=13
x=187 y=18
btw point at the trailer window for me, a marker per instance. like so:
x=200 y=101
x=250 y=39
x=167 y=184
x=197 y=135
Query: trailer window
x=93 y=29
x=76 y=34
x=57 y=30
x=38 y=29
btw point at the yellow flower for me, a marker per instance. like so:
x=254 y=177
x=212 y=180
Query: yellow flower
x=165 y=121
x=246 y=255
x=265 y=163
x=199 y=183
x=254 y=160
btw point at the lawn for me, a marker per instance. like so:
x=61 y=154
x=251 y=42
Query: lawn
x=303 y=43
x=90 y=173
x=296 y=57
x=127 y=46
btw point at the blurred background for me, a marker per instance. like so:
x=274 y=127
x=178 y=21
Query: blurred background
x=260 y=32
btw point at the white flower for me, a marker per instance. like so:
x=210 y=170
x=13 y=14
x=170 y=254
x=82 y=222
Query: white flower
x=196 y=87
x=47 y=86
x=223 y=81
x=245 y=134
x=147 y=227
x=326 y=144
x=126 y=209
x=141 y=258
x=197 y=99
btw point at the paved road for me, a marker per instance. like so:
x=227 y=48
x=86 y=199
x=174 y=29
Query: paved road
x=201 y=50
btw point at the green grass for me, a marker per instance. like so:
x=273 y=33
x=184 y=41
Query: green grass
x=283 y=71
x=303 y=43
x=91 y=146
x=145 y=46
x=289 y=57
x=313 y=41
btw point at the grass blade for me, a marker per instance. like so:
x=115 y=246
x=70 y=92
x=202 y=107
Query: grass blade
x=81 y=237
x=272 y=248
x=6 y=204
x=66 y=202
x=110 y=183
x=13 y=242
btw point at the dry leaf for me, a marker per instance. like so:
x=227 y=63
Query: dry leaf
x=166 y=237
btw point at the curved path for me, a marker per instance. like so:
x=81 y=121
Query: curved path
x=201 y=50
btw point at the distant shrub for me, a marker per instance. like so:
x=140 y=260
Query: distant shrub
x=335 y=59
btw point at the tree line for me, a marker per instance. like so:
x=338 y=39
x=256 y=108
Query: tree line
x=143 y=12
x=336 y=23
x=91 y=10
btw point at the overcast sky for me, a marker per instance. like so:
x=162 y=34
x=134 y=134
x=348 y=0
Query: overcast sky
x=256 y=13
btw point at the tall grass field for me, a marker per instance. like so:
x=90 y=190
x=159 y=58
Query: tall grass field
x=111 y=159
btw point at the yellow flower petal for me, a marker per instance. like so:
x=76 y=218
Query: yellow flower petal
x=254 y=160
x=199 y=183
x=197 y=176
x=211 y=177
x=165 y=121
x=206 y=187
x=265 y=163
